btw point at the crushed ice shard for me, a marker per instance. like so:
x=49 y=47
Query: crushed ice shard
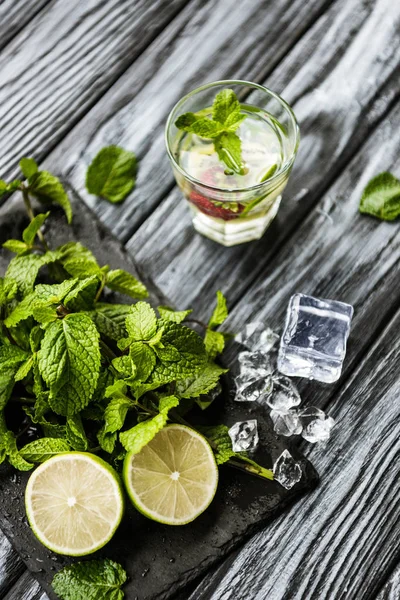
x=244 y=435
x=287 y=471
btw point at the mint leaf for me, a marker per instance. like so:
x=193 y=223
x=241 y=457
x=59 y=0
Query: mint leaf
x=136 y=438
x=69 y=362
x=125 y=283
x=186 y=121
x=219 y=436
x=225 y=104
x=176 y=316
x=83 y=294
x=110 y=319
x=79 y=261
x=24 y=269
x=8 y=290
x=202 y=384
x=44 y=448
x=114 y=417
x=28 y=167
x=75 y=433
x=143 y=358
x=141 y=322
x=48 y=189
x=214 y=342
x=8 y=188
x=220 y=312
x=11 y=358
x=30 y=232
x=381 y=197
x=15 y=246
x=206 y=128
x=24 y=369
x=229 y=149
x=90 y=580
x=111 y=174
x=234 y=121
x=269 y=173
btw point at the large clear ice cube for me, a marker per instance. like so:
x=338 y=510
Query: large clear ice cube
x=287 y=471
x=244 y=435
x=313 y=343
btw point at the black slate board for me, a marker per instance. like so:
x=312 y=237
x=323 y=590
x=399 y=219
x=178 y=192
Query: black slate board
x=160 y=560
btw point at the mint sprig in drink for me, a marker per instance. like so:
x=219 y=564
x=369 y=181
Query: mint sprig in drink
x=232 y=158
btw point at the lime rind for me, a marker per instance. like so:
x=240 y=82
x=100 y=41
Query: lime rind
x=104 y=468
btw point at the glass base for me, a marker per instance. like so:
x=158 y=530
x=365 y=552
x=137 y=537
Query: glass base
x=237 y=231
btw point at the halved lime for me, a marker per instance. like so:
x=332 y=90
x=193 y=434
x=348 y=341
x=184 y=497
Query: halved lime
x=74 y=503
x=173 y=479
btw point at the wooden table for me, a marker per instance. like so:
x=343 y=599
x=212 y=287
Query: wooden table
x=76 y=76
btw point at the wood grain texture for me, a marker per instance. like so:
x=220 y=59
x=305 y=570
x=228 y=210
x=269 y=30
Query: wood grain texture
x=208 y=40
x=339 y=542
x=27 y=588
x=14 y=15
x=11 y=566
x=391 y=589
x=60 y=65
x=341 y=86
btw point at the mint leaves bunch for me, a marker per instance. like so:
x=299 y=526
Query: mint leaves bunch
x=221 y=128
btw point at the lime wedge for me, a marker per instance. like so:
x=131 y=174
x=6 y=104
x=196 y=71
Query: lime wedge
x=174 y=478
x=74 y=503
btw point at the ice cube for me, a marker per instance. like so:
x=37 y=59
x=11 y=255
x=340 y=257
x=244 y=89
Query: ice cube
x=318 y=430
x=311 y=412
x=287 y=471
x=284 y=393
x=255 y=364
x=244 y=435
x=256 y=336
x=250 y=389
x=286 y=423
x=313 y=343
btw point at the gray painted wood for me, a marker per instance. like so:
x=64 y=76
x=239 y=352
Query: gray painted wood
x=208 y=40
x=391 y=589
x=14 y=15
x=339 y=541
x=59 y=66
x=340 y=92
x=27 y=588
x=11 y=566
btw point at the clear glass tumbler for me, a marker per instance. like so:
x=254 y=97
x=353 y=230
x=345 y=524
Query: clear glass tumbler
x=228 y=207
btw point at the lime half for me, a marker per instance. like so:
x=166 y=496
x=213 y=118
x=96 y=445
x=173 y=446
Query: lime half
x=174 y=478
x=74 y=503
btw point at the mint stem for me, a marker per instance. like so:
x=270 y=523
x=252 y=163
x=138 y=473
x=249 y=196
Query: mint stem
x=31 y=215
x=107 y=350
x=100 y=290
x=253 y=468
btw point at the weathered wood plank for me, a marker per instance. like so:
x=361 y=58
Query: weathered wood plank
x=339 y=542
x=60 y=65
x=14 y=15
x=208 y=40
x=391 y=589
x=27 y=588
x=340 y=85
x=11 y=566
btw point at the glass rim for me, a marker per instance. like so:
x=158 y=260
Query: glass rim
x=276 y=176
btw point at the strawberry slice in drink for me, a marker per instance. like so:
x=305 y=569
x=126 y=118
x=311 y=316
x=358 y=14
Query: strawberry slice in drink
x=218 y=210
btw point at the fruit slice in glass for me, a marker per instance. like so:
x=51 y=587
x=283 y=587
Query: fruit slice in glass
x=229 y=207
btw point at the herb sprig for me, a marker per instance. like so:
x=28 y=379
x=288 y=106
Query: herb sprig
x=221 y=128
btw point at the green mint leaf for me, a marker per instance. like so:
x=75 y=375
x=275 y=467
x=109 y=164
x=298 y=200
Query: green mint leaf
x=124 y=366
x=125 y=283
x=220 y=312
x=191 y=351
x=229 y=149
x=90 y=580
x=79 y=261
x=44 y=448
x=8 y=290
x=202 y=384
x=8 y=188
x=24 y=269
x=31 y=231
x=214 y=342
x=224 y=105
x=143 y=358
x=269 y=173
x=186 y=121
x=48 y=189
x=111 y=174
x=218 y=434
x=83 y=294
x=75 y=433
x=136 y=438
x=141 y=322
x=14 y=457
x=206 y=128
x=11 y=358
x=110 y=319
x=381 y=197
x=15 y=246
x=69 y=362
x=28 y=167
x=24 y=369
x=167 y=353
x=176 y=316
x=234 y=121
x=114 y=417
x=155 y=341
